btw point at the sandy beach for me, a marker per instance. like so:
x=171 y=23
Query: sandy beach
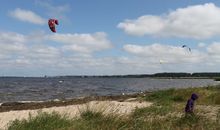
x=107 y=107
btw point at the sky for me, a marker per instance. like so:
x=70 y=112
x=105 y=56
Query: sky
x=109 y=37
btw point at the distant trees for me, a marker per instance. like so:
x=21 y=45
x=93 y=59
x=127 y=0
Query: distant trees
x=172 y=75
x=165 y=74
x=202 y=74
x=206 y=74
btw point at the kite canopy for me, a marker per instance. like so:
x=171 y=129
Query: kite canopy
x=185 y=46
x=52 y=24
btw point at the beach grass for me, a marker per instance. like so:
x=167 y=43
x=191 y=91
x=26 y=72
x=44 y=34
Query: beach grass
x=43 y=121
x=207 y=95
x=167 y=113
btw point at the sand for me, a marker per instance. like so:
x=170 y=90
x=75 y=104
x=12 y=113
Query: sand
x=122 y=108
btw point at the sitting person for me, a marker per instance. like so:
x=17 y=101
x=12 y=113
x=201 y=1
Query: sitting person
x=190 y=104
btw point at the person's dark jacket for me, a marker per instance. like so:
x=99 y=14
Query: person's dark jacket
x=190 y=103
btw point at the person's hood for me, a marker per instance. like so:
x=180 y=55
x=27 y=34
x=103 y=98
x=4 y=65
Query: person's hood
x=194 y=96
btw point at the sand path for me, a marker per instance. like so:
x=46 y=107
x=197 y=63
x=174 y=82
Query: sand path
x=116 y=107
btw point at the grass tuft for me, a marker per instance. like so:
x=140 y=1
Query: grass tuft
x=43 y=121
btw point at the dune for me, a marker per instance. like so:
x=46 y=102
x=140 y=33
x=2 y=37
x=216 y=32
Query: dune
x=107 y=107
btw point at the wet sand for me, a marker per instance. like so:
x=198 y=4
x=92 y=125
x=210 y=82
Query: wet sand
x=8 y=106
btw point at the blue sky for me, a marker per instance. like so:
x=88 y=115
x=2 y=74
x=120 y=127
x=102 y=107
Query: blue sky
x=103 y=37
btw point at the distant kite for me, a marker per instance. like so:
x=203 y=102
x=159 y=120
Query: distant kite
x=185 y=46
x=52 y=24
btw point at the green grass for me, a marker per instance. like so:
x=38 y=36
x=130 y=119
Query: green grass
x=152 y=111
x=43 y=121
x=207 y=95
x=139 y=120
x=167 y=113
x=91 y=120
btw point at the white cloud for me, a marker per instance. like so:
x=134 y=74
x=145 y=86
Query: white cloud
x=10 y=37
x=12 y=43
x=214 y=48
x=84 y=43
x=48 y=55
x=199 y=22
x=17 y=50
x=175 y=58
x=170 y=54
x=44 y=52
x=138 y=27
x=155 y=50
x=213 y=51
x=27 y=16
x=15 y=47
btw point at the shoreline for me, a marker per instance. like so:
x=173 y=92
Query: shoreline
x=163 y=107
x=32 y=105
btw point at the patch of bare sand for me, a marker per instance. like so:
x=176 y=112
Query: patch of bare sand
x=116 y=107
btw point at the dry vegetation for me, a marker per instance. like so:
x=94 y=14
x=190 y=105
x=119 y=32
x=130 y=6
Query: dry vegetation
x=166 y=113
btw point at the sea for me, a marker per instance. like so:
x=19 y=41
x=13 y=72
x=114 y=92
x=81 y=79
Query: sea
x=16 y=89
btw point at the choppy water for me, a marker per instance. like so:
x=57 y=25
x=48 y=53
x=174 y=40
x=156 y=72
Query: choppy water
x=43 y=89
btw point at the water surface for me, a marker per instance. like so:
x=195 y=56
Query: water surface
x=44 y=89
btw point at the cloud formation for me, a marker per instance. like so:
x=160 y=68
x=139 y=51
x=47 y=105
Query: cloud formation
x=22 y=52
x=84 y=43
x=198 y=22
x=166 y=53
x=11 y=43
x=18 y=53
x=27 y=16
x=34 y=50
x=214 y=49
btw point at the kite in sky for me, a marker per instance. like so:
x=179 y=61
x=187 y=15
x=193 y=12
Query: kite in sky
x=185 y=46
x=52 y=24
